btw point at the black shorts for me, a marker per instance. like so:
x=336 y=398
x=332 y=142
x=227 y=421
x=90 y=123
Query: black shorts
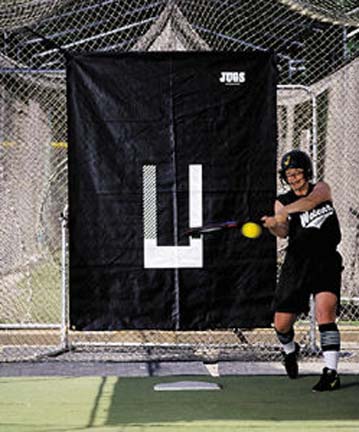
x=302 y=276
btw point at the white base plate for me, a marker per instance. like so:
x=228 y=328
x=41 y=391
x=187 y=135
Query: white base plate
x=186 y=386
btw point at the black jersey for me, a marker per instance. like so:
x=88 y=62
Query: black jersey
x=313 y=232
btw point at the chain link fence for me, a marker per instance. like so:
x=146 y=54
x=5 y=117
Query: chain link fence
x=317 y=44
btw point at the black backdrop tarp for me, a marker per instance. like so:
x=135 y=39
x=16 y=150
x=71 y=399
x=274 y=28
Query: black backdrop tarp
x=169 y=111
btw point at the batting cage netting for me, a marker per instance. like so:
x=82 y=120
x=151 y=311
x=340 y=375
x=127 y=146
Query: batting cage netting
x=317 y=47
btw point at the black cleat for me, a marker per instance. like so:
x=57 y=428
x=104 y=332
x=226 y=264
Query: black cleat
x=290 y=362
x=329 y=381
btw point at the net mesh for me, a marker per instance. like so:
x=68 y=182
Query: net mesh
x=317 y=43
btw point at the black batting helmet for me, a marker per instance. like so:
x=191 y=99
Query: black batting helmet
x=296 y=159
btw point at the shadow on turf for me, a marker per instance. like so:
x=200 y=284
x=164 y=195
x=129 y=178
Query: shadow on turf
x=96 y=403
x=348 y=385
x=242 y=398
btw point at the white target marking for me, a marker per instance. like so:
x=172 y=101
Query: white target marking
x=171 y=256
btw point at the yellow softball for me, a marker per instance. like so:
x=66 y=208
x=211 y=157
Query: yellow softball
x=251 y=230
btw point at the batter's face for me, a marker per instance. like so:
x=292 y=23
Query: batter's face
x=297 y=181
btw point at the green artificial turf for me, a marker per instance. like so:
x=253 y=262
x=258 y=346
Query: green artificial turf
x=104 y=404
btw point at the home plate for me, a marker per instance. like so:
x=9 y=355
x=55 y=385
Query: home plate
x=186 y=385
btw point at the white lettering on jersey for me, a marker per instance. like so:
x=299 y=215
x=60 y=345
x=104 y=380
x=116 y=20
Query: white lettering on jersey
x=316 y=217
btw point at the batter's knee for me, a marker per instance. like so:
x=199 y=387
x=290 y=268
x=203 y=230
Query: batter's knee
x=325 y=307
x=324 y=315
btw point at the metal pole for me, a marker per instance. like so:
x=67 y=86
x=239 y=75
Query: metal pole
x=313 y=333
x=64 y=299
x=314 y=138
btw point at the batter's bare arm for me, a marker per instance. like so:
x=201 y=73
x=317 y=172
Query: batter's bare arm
x=278 y=224
x=319 y=194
